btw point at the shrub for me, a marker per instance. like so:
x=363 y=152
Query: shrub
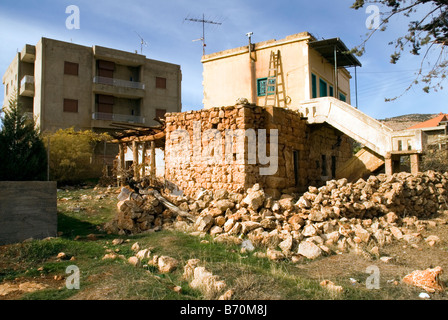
x=72 y=155
x=22 y=153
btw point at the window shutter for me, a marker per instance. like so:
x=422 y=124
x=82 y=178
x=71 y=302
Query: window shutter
x=160 y=83
x=70 y=105
x=71 y=68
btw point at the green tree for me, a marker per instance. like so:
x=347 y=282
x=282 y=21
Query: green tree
x=426 y=36
x=22 y=153
x=72 y=155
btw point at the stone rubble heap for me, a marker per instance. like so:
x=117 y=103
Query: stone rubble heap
x=337 y=217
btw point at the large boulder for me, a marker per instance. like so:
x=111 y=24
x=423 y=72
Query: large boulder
x=309 y=250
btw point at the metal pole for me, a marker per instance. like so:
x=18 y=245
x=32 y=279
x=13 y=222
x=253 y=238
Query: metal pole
x=356 y=88
x=203 y=34
x=336 y=73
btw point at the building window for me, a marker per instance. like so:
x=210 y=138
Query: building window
x=7 y=88
x=333 y=167
x=106 y=68
x=160 y=113
x=262 y=86
x=324 y=165
x=323 y=92
x=296 y=158
x=70 y=105
x=331 y=91
x=160 y=83
x=71 y=68
x=400 y=145
x=313 y=86
x=105 y=106
x=342 y=97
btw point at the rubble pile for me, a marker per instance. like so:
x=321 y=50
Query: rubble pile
x=337 y=217
x=137 y=215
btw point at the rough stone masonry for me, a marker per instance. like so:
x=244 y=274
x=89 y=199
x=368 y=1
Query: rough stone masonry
x=307 y=155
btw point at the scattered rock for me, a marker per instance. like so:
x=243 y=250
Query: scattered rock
x=167 y=264
x=432 y=240
x=426 y=279
x=117 y=241
x=227 y=295
x=309 y=250
x=330 y=286
x=134 y=261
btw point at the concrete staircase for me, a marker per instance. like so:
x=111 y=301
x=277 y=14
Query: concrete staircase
x=362 y=164
x=380 y=143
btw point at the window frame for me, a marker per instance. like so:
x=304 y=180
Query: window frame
x=67 y=108
x=161 y=83
x=69 y=68
x=313 y=86
x=323 y=85
x=262 y=86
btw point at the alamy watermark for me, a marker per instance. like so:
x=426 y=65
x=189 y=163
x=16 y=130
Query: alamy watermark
x=373 y=20
x=72 y=281
x=373 y=281
x=207 y=147
x=73 y=21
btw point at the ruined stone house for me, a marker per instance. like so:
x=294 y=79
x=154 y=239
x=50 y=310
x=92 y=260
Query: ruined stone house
x=292 y=124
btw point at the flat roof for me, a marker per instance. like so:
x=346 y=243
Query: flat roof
x=326 y=48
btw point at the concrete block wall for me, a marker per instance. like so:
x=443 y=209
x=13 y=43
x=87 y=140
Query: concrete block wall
x=28 y=209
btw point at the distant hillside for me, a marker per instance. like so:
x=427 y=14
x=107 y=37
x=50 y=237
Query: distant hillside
x=406 y=121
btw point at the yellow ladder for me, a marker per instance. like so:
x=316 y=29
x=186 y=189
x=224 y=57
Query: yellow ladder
x=275 y=88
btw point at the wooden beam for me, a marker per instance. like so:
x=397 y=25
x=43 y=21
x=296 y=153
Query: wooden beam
x=143 y=160
x=152 y=163
x=121 y=162
x=135 y=159
x=153 y=137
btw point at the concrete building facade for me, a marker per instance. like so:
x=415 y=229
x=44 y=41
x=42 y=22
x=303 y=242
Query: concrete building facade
x=69 y=85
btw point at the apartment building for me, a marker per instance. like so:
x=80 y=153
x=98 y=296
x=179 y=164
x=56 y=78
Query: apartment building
x=297 y=68
x=69 y=85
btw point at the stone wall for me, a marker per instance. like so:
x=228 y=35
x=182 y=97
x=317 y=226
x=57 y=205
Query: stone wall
x=194 y=160
x=28 y=209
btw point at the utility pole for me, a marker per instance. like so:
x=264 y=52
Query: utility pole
x=203 y=21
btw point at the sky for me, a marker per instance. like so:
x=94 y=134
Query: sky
x=169 y=37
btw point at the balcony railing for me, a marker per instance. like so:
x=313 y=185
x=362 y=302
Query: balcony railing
x=27 y=86
x=119 y=82
x=27 y=79
x=117 y=117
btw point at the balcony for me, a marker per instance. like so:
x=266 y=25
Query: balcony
x=28 y=53
x=117 y=117
x=118 y=87
x=27 y=86
x=119 y=83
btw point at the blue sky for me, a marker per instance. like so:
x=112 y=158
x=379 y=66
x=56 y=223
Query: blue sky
x=162 y=24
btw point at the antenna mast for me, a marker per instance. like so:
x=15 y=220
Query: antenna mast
x=142 y=43
x=203 y=21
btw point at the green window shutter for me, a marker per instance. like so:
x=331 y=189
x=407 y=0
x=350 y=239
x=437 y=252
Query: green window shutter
x=271 y=86
x=313 y=86
x=261 y=86
x=331 y=91
x=322 y=88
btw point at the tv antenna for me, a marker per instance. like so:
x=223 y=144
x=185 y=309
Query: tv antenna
x=203 y=21
x=142 y=42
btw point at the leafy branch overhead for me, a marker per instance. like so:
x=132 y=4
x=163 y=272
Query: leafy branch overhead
x=426 y=35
